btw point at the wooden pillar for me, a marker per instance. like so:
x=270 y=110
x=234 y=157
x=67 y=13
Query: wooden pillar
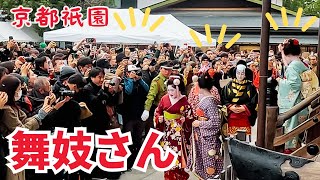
x=223 y=175
x=226 y=157
x=264 y=46
x=271 y=121
x=318 y=53
x=229 y=173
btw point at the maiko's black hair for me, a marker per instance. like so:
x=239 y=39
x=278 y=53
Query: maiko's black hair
x=206 y=81
x=292 y=47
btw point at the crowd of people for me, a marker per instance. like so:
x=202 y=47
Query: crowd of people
x=176 y=91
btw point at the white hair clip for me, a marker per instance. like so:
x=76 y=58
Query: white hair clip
x=195 y=78
x=176 y=82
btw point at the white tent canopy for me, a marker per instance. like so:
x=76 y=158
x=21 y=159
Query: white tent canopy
x=179 y=31
x=3 y=38
x=171 y=30
x=26 y=34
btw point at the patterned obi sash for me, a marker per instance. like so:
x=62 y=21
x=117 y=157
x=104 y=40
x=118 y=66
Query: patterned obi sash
x=202 y=119
x=169 y=116
x=200 y=115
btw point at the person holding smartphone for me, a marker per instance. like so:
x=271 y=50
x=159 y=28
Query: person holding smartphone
x=135 y=93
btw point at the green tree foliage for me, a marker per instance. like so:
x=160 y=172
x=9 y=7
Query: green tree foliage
x=310 y=7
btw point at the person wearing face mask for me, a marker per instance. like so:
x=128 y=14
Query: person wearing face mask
x=205 y=159
x=174 y=117
x=240 y=98
x=289 y=93
x=14 y=117
x=24 y=102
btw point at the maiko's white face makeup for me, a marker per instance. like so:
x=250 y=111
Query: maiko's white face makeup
x=241 y=72
x=240 y=76
x=172 y=92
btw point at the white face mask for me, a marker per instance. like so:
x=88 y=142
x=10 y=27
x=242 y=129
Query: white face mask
x=18 y=96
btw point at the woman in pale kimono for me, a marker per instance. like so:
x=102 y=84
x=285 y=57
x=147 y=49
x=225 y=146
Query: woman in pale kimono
x=290 y=87
x=174 y=117
x=205 y=159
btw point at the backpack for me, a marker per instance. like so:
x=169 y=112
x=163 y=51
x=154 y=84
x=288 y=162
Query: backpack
x=310 y=83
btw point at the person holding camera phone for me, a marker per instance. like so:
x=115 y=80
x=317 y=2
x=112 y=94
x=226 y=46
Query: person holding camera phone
x=14 y=117
x=148 y=70
x=12 y=48
x=135 y=93
x=84 y=66
x=166 y=49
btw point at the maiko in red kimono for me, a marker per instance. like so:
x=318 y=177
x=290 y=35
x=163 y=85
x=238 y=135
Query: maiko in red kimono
x=176 y=127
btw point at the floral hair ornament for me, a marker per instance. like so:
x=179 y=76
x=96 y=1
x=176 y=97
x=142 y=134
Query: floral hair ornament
x=211 y=72
x=296 y=42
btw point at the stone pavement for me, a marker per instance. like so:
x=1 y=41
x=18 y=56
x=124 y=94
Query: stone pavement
x=152 y=174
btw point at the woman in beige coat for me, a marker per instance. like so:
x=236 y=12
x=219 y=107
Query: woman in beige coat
x=14 y=117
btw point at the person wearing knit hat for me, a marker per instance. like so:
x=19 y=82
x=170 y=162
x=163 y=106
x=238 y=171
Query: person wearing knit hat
x=120 y=57
x=76 y=80
x=23 y=45
x=103 y=64
x=66 y=72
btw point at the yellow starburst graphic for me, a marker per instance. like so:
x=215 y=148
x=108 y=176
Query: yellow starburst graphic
x=304 y=28
x=153 y=27
x=220 y=38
